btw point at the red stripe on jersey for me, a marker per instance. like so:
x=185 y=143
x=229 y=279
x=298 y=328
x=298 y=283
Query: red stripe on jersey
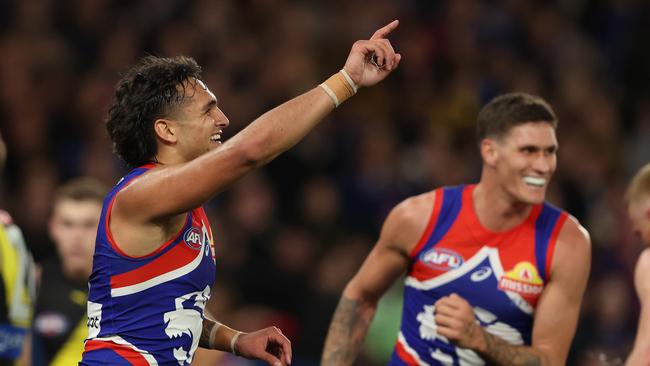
x=550 y=250
x=432 y=220
x=404 y=355
x=180 y=255
x=127 y=353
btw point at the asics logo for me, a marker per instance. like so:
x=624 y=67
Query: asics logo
x=481 y=274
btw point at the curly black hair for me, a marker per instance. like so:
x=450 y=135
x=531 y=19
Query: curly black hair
x=148 y=91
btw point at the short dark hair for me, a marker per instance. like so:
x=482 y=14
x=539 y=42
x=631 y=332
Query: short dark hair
x=81 y=189
x=508 y=110
x=148 y=91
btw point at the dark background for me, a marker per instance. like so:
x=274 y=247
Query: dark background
x=291 y=235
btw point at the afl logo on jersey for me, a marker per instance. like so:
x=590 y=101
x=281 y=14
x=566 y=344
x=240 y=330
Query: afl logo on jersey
x=441 y=259
x=192 y=238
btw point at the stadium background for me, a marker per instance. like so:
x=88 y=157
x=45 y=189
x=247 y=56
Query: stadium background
x=291 y=235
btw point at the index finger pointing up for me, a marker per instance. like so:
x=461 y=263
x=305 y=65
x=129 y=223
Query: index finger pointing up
x=385 y=31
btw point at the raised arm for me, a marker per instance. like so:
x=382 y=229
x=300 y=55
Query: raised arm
x=641 y=352
x=387 y=261
x=556 y=315
x=194 y=182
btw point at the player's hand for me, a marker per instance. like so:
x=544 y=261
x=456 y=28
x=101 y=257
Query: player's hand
x=370 y=61
x=268 y=344
x=455 y=320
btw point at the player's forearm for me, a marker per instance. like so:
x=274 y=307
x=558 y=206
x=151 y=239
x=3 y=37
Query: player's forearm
x=265 y=138
x=282 y=127
x=347 y=331
x=497 y=351
x=215 y=335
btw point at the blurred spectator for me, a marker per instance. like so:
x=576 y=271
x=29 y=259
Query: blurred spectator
x=60 y=319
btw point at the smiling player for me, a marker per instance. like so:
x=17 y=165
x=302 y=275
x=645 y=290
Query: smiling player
x=154 y=262
x=494 y=273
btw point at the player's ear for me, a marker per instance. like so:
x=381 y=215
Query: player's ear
x=489 y=151
x=165 y=130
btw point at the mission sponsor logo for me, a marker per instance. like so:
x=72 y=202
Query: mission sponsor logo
x=192 y=238
x=441 y=259
x=522 y=279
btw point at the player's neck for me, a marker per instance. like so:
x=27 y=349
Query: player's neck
x=169 y=157
x=496 y=210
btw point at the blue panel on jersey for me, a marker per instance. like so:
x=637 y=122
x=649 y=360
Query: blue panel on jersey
x=495 y=311
x=543 y=229
x=452 y=200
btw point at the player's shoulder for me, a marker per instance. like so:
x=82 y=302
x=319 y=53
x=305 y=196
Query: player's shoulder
x=571 y=258
x=131 y=186
x=573 y=248
x=408 y=220
x=413 y=208
x=573 y=232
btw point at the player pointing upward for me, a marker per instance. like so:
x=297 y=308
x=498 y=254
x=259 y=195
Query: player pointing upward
x=154 y=263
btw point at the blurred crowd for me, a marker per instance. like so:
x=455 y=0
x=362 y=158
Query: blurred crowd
x=291 y=235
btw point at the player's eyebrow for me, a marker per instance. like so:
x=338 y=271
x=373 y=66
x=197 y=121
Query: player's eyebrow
x=209 y=105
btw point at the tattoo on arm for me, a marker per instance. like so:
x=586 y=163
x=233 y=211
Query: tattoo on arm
x=500 y=352
x=347 y=331
x=204 y=341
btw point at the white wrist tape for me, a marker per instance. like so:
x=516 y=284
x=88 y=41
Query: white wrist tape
x=349 y=80
x=213 y=334
x=233 y=340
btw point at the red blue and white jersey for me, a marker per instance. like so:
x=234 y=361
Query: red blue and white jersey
x=501 y=274
x=148 y=310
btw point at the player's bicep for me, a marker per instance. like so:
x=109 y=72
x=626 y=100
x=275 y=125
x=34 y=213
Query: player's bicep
x=170 y=191
x=377 y=273
x=390 y=257
x=557 y=311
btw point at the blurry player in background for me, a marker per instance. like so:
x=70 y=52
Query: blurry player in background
x=154 y=263
x=16 y=286
x=637 y=198
x=60 y=316
x=495 y=275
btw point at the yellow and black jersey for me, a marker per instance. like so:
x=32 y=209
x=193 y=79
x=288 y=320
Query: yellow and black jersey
x=60 y=318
